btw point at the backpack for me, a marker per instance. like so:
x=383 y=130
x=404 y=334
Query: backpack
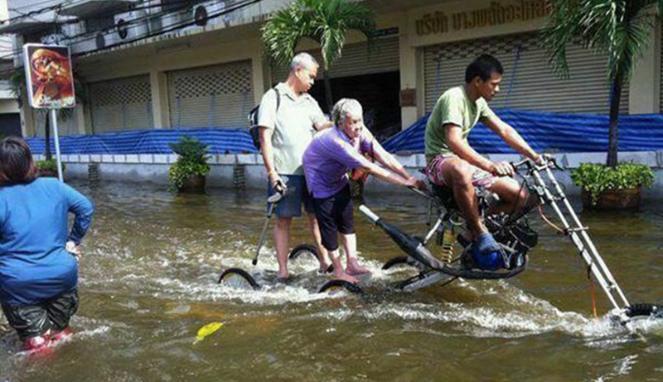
x=254 y=129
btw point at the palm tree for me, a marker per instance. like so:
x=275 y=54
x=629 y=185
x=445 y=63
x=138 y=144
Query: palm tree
x=618 y=28
x=325 y=22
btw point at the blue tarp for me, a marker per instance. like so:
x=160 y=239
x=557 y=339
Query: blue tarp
x=549 y=132
x=154 y=141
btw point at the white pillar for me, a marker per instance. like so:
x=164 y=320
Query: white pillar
x=644 y=88
x=159 y=91
x=258 y=74
x=408 y=76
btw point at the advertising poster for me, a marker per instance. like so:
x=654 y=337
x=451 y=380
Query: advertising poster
x=50 y=81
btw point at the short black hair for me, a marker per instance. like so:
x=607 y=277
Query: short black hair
x=483 y=66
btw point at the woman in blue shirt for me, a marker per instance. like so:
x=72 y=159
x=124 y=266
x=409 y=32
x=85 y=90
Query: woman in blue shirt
x=38 y=270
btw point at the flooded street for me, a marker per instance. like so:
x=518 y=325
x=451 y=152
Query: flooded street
x=148 y=283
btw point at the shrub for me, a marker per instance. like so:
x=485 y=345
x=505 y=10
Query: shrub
x=192 y=160
x=596 y=178
x=49 y=165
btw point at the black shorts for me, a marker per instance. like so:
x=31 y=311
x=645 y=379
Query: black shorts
x=34 y=320
x=334 y=216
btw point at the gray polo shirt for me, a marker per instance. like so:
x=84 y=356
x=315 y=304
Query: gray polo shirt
x=293 y=126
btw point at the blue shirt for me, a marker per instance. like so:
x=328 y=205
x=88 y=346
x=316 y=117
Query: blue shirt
x=34 y=265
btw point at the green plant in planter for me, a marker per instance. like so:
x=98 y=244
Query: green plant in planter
x=596 y=178
x=49 y=165
x=192 y=161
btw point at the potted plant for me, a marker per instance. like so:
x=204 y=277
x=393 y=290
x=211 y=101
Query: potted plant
x=188 y=173
x=618 y=187
x=48 y=167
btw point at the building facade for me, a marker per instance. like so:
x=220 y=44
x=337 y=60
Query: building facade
x=10 y=120
x=154 y=64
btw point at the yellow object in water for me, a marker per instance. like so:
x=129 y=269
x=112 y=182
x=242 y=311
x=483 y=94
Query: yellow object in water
x=207 y=330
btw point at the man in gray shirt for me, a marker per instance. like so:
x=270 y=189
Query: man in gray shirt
x=288 y=117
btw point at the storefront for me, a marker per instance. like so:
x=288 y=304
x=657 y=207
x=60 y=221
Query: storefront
x=121 y=104
x=218 y=96
x=447 y=38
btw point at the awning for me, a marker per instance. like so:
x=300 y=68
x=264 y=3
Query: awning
x=90 y=8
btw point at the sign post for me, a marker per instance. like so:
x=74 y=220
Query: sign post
x=50 y=84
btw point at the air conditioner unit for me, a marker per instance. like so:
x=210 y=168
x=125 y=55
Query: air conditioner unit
x=73 y=29
x=202 y=12
x=174 y=19
x=200 y=15
x=129 y=26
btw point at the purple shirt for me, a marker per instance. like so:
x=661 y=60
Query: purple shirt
x=330 y=156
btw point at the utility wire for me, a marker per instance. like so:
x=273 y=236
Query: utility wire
x=130 y=24
x=170 y=28
x=174 y=27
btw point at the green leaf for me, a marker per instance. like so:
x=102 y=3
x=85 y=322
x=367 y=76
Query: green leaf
x=323 y=21
x=596 y=178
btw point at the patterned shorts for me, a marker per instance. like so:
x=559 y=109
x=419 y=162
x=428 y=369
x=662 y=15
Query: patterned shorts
x=480 y=178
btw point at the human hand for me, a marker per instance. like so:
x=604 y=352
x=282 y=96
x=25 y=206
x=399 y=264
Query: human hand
x=501 y=169
x=413 y=182
x=72 y=248
x=543 y=159
x=277 y=183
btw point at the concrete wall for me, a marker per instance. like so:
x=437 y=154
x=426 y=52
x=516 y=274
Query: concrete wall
x=153 y=168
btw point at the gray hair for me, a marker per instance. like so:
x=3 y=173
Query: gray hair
x=346 y=106
x=303 y=60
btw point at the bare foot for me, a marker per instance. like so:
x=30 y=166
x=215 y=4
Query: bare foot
x=355 y=269
x=324 y=267
x=282 y=275
x=345 y=277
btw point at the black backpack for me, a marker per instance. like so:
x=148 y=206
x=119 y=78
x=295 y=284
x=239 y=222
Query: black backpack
x=254 y=129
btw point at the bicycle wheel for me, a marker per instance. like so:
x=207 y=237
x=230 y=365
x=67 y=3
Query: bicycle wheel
x=238 y=278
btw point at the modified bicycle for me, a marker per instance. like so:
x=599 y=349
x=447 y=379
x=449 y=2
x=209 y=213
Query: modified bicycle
x=511 y=231
x=241 y=278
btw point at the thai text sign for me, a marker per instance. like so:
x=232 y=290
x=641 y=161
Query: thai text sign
x=495 y=14
x=50 y=81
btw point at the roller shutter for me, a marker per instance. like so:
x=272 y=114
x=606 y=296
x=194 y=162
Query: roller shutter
x=121 y=104
x=660 y=63
x=211 y=96
x=529 y=82
x=357 y=59
x=67 y=124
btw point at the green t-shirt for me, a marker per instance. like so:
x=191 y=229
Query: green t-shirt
x=456 y=108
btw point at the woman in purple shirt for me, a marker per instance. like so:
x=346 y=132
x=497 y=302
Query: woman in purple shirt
x=327 y=160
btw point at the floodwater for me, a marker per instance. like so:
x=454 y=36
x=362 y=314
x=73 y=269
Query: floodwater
x=148 y=283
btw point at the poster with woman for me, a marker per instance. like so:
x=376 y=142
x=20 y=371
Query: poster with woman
x=50 y=81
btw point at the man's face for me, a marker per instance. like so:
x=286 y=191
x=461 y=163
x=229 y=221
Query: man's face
x=306 y=77
x=489 y=88
x=353 y=125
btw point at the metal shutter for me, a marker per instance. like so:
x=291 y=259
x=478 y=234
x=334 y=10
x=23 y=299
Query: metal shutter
x=211 y=96
x=357 y=59
x=660 y=24
x=529 y=82
x=121 y=104
x=67 y=124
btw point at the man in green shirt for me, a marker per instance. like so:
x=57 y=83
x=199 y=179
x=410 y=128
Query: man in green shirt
x=452 y=162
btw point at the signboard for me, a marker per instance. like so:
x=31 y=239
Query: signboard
x=50 y=81
x=497 y=13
